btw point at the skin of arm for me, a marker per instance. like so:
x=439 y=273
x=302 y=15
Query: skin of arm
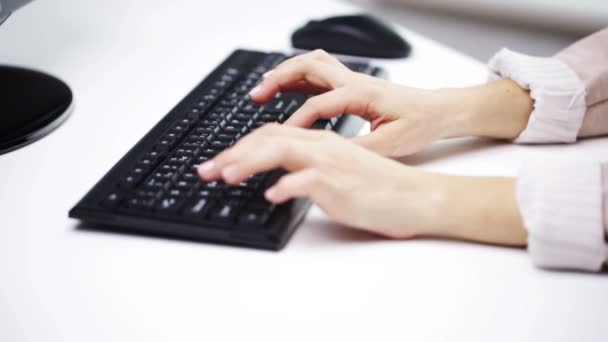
x=499 y=109
x=484 y=209
x=381 y=195
x=481 y=209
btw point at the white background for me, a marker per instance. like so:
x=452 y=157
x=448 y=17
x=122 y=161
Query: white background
x=129 y=63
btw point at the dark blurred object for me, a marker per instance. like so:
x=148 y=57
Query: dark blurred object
x=33 y=104
x=356 y=35
x=9 y=6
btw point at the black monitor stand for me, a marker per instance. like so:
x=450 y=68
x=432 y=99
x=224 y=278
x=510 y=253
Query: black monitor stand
x=32 y=104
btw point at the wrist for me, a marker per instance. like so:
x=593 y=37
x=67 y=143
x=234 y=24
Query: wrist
x=498 y=109
x=482 y=209
x=456 y=108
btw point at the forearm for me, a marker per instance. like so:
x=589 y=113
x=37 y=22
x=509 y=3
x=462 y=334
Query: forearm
x=482 y=209
x=499 y=109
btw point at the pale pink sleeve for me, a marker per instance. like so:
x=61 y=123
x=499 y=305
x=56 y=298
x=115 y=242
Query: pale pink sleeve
x=605 y=195
x=589 y=60
x=564 y=204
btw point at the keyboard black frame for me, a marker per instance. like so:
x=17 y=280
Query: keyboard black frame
x=278 y=230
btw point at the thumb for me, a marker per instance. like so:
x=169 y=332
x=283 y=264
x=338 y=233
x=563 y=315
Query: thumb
x=329 y=105
x=384 y=140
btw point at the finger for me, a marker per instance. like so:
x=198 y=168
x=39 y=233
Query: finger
x=293 y=62
x=284 y=153
x=316 y=73
x=318 y=54
x=211 y=170
x=329 y=105
x=306 y=88
x=382 y=140
x=260 y=151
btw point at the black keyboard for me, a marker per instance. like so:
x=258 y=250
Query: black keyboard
x=155 y=188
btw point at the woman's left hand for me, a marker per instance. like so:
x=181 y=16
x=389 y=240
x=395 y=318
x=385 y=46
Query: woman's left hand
x=354 y=186
x=361 y=189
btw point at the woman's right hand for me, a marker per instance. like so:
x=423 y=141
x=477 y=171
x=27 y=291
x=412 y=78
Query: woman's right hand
x=403 y=120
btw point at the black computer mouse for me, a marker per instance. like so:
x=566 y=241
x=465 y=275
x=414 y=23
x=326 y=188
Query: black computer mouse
x=357 y=35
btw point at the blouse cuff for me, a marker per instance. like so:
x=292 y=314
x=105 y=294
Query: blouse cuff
x=561 y=206
x=558 y=94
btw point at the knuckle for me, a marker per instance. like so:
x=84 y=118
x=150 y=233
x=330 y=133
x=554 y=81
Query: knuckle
x=319 y=53
x=307 y=65
x=284 y=63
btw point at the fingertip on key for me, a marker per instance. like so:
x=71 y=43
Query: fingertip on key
x=231 y=173
x=270 y=194
x=255 y=90
x=205 y=168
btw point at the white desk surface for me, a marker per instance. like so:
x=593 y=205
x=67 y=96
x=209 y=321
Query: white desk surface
x=128 y=63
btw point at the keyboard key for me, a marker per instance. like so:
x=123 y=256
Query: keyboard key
x=139 y=172
x=183 y=185
x=165 y=176
x=212 y=185
x=254 y=219
x=224 y=212
x=267 y=117
x=204 y=193
x=223 y=137
x=154 y=184
x=145 y=163
x=321 y=124
x=201 y=105
x=237 y=193
x=112 y=200
x=211 y=97
x=251 y=108
x=208 y=152
x=218 y=144
x=190 y=177
x=199 y=208
x=168 y=204
x=232 y=130
x=128 y=182
x=176 y=193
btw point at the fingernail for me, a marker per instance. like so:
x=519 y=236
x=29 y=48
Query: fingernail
x=255 y=90
x=230 y=172
x=267 y=73
x=270 y=193
x=206 y=166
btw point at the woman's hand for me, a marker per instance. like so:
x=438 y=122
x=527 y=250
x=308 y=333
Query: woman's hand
x=360 y=189
x=354 y=186
x=403 y=120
